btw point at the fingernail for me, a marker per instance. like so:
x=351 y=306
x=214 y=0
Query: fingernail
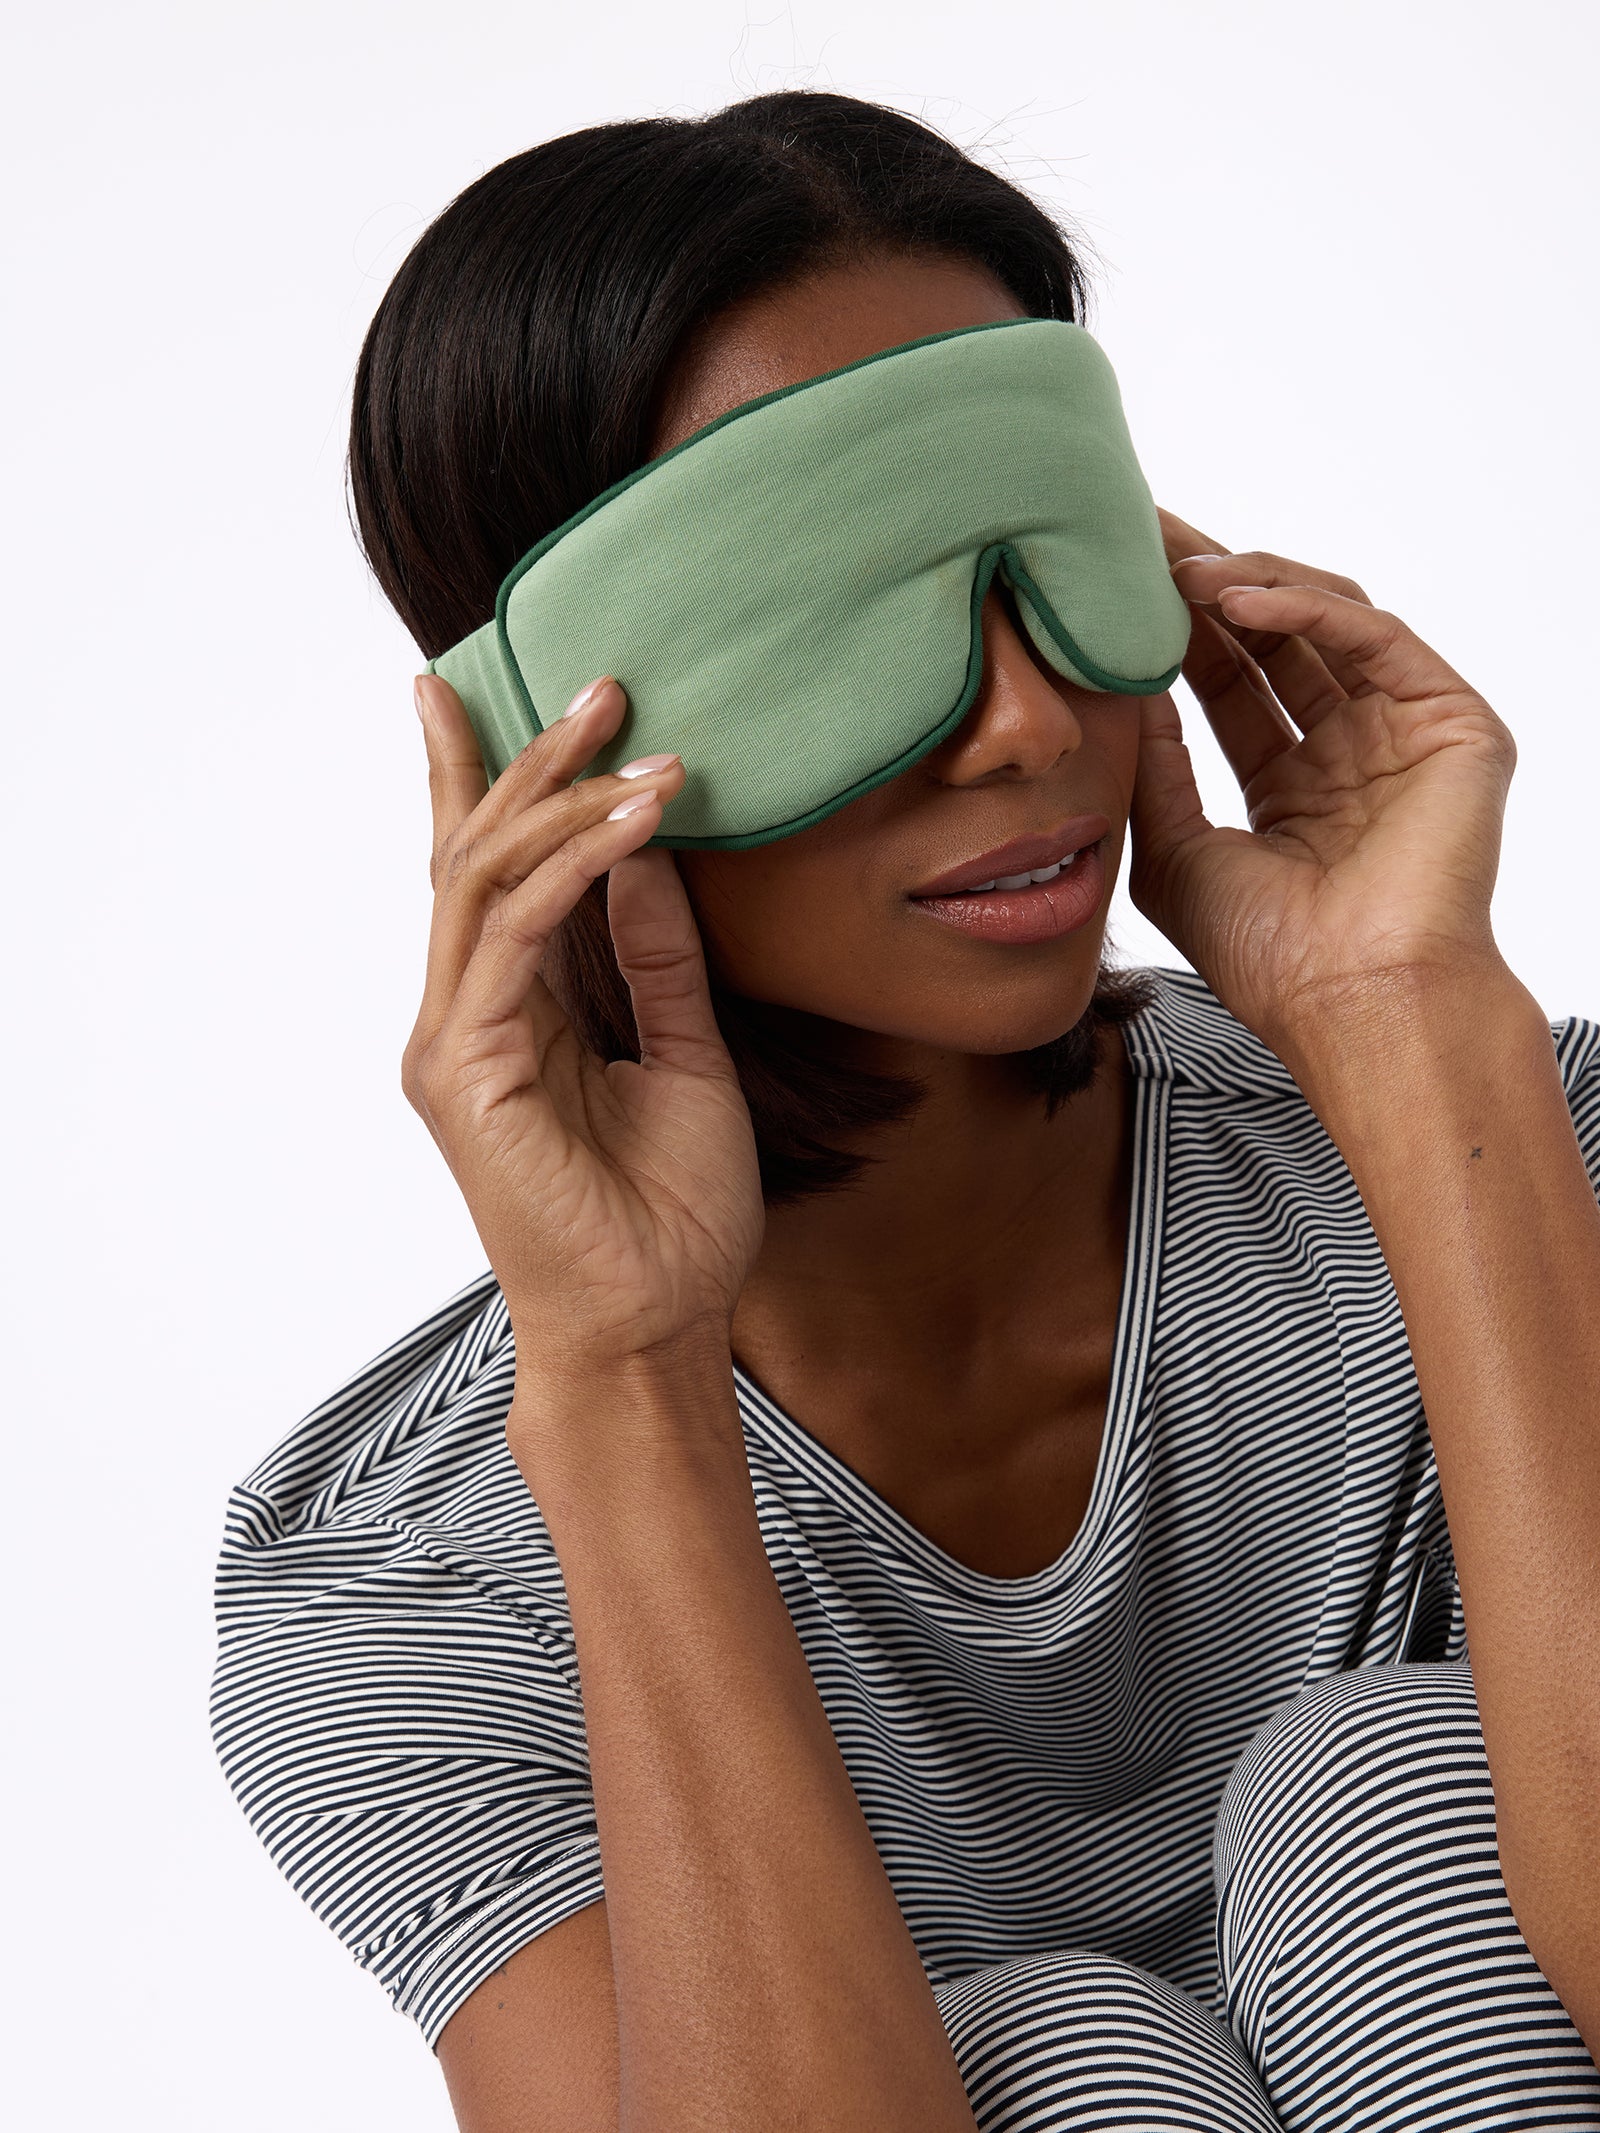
x=631 y=805
x=419 y=699
x=644 y=763
x=1195 y=559
x=586 y=696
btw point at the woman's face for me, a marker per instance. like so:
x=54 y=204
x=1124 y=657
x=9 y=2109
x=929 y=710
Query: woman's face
x=834 y=920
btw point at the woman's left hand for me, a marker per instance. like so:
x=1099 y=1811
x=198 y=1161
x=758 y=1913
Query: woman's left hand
x=1375 y=780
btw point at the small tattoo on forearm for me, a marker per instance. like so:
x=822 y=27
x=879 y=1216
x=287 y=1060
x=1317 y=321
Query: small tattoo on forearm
x=1477 y=1152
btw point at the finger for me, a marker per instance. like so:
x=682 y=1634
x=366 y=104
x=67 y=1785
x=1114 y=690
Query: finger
x=503 y=1016
x=1372 y=643
x=1185 y=544
x=1238 y=701
x=464 y=802
x=660 y=954
x=1277 y=666
x=1165 y=808
x=1293 y=668
x=480 y=872
x=457 y=780
x=1309 y=681
x=1300 y=677
x=1181 y=539
x=1165 y=818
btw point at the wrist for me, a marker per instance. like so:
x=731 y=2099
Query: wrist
x=1385 y=1048
x=587 y=1427
x=551 y=1372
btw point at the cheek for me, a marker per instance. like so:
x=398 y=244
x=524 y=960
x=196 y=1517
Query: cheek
x=778 y=928
x=1115 y=735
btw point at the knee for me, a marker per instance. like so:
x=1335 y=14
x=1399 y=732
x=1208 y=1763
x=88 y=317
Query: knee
x=1356 y=1775
x=1357 y=1744
x=1052 y=1990
x=1360 y=1899
x=1064 y=2040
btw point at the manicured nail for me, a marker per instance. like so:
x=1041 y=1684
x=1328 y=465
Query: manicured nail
x=586 y=696
x=1234 y=592
x=646 y=762
x=419 y=700
x=1178 y=565
x=631 y=805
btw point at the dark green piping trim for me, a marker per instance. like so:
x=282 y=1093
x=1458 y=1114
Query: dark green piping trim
x=1069 y=644
x=745 y=407
x=990 y=559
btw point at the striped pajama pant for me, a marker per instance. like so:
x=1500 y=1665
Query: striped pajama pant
x=1372 y=1972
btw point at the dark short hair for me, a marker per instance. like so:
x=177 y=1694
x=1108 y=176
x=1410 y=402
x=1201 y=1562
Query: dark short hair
x=517 y=366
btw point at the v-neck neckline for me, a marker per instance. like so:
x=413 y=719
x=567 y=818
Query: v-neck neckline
x=1150 y=1094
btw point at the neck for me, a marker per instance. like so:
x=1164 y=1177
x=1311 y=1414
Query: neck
x=975 y=1205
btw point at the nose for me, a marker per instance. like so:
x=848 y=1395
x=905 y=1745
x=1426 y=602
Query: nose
x=1022 y=720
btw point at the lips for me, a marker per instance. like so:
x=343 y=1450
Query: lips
x=1021 y=856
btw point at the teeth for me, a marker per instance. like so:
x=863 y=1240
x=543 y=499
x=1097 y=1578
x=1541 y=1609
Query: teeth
x=1023 y=881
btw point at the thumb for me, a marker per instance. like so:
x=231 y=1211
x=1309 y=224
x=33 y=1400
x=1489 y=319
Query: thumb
x=1165 y=816
x=660 y=955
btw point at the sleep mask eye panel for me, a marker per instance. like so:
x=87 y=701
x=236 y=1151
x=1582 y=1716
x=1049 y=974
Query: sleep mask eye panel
x=791 y=597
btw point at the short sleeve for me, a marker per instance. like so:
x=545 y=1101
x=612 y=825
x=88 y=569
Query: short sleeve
x=394 y=1703
x=1577 y=1043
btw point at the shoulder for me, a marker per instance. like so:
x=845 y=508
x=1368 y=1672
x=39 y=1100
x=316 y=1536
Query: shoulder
x=1577 y=1043
x=411 y=1441
x=395 y=1700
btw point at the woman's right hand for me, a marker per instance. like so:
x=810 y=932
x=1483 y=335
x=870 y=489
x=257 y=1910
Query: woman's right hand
x=619 y=1203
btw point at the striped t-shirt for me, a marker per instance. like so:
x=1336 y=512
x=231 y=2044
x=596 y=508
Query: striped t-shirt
x=1039 y=1758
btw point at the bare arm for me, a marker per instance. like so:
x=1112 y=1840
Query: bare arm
x=759 y=1974
x=759 y=1967
x=1350 y=929
x=1451 y=1116
x=534 y=2048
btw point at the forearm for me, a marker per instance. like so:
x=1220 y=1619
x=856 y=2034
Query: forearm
x=764 y=1975
x=1450 y=1113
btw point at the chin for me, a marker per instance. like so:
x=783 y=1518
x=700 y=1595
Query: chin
x=984 y=1027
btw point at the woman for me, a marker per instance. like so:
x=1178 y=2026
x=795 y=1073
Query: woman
x=1003 y=1543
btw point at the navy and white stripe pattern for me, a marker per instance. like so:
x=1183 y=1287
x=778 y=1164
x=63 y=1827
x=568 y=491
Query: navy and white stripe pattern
x=1041 y=1759
x=1373 y=1975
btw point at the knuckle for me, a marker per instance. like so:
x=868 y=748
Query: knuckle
x=419 y=1046
x=536 y=751
x=414 y=1078
x=456 y=859
x=666 y=960
x=442 y=850
x=556 y=833
x=507 y=926
x=535 y=768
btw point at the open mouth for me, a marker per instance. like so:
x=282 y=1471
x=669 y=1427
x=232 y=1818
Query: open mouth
x=1043 y=904
x=1032 y=860
x=1029 y=880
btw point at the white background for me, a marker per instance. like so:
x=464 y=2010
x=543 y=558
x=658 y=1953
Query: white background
x=1347 y=269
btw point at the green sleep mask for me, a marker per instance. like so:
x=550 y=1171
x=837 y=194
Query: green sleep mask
x=791 y=597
